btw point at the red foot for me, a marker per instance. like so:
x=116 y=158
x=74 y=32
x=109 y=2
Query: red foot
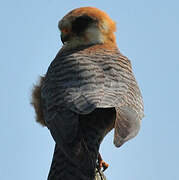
x=102 y=164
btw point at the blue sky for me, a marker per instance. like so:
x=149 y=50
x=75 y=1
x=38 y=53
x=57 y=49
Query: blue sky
x=147 y=32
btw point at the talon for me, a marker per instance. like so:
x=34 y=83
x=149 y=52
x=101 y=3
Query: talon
x=102 y=164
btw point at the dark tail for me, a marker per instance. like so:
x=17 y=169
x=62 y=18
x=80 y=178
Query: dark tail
x=63 y=169
x=85 y=148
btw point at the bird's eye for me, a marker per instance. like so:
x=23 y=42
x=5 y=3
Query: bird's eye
x=81 y=23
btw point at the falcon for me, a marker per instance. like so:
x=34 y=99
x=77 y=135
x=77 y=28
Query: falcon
x=88 y=90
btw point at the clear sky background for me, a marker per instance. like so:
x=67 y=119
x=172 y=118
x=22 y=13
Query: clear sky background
x=147 y=32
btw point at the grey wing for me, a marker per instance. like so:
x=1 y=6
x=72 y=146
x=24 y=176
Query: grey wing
x=119 y=89
x=83 y=83
x=129 y=105
x=73 y=85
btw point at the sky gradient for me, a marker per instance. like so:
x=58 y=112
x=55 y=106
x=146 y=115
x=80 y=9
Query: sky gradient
x=147 y=33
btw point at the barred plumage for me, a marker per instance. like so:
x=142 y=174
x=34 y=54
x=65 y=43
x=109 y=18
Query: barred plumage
x=75 y=85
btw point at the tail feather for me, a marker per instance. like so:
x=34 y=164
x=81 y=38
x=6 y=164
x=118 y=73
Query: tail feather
x=62 y=169
x=85 y=148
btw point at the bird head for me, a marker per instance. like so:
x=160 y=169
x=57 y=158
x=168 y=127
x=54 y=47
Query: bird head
x=86 y=26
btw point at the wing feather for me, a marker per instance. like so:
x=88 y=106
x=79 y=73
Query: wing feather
x=82 y=83
x=79 y=83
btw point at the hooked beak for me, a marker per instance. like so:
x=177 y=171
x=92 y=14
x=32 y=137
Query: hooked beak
x=65 y=35
x=64 y=38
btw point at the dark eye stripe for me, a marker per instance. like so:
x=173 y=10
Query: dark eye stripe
x=80 y=24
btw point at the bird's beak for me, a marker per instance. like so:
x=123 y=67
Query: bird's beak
x=64 y=38
x=65 y=35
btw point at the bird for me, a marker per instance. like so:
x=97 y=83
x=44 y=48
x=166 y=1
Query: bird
x=88 y=90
